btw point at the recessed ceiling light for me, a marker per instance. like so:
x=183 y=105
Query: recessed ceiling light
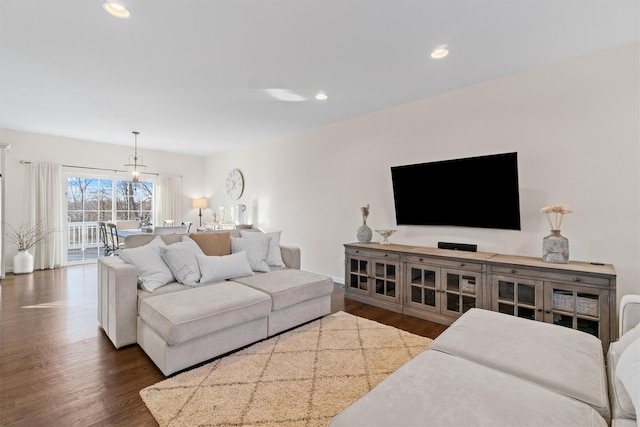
x=116 y=9
x=440 y=52
x=321 y=96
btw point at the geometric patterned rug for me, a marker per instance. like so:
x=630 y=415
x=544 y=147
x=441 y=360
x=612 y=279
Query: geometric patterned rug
x=303 y=377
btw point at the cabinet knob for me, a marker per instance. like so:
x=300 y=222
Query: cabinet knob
x=421 y=259
x=514 y=271
x=539 y=310
x=462 y=264
x=357 y=251
x=577 y=279
x=386 y=255
x=548 y=312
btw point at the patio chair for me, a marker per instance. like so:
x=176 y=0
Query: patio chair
x=105 y=239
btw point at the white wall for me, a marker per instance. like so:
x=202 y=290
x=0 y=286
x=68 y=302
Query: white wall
x=575 y=126
x=43 y=148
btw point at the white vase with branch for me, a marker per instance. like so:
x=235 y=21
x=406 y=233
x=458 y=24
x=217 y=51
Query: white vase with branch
x=24 y=237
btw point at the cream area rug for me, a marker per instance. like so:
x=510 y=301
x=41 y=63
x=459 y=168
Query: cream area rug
x=303 y=377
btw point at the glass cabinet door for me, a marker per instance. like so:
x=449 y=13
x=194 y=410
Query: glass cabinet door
x=358 y=274
x=424 y=283
x=461 y=291
x=579 y=308
x=518 y=297
x=385 y=277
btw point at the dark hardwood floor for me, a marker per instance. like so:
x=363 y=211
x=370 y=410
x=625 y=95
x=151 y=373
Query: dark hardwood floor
x=57 y=367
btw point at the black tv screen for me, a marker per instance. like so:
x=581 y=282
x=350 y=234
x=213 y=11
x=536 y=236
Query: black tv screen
x=470 y=192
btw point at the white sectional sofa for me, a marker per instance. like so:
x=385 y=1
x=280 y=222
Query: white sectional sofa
x=201 y=312
x=491 y=369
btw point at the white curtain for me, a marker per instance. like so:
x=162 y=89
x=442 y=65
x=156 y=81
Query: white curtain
x=47 y=194
x=169 y=199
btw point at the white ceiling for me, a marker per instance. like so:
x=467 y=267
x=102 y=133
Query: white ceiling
x=190 y=75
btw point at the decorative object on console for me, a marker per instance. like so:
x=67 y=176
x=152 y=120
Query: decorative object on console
x=133 y=166
x=364 y=232
x=385 y=234
x=200 y=203
x=237 y=213
x=555 y=247
x=25 y=237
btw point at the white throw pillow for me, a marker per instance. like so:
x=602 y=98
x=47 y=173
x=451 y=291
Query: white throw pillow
x=152 y=271
x=181 y=259
x=274 y=257
x=257 y=251
x=215 y=268
x=628 y=372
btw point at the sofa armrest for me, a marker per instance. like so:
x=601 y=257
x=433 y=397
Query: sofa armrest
x=629 y=312
x=291 y=256
x=118 y=300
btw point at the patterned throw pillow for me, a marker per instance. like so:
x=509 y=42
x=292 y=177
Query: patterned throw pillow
x=181 y=259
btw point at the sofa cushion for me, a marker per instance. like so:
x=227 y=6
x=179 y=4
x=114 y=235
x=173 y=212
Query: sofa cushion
x=181 y=316
x=561 y=359
x=213 y=244
x=181 y=260
x=628 y=372
x=152 y=271
x=257 y=251
x=438 y=389
x=274 y=257
x=289 y=287
x=621 y=403
x=216 y=268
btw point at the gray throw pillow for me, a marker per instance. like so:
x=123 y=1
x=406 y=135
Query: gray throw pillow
x=215 y=268
x=257 y=251
x=274 y=257
x=152 y=271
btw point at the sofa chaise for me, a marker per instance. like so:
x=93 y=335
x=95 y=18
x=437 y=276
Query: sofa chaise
x=492 y=369
x=209 y=299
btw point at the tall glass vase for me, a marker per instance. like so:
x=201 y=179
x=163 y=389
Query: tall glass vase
x=555 y=248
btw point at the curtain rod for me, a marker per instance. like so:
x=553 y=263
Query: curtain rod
x=25 y=162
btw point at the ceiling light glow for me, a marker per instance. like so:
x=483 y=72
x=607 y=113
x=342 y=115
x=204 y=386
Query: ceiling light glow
x=284 y=95
x=116 y=9
x=440 y=52
x=321 y=96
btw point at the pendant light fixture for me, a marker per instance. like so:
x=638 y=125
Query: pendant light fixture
x=135 y=165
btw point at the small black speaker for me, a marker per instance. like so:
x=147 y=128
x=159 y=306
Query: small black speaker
x=458 y=246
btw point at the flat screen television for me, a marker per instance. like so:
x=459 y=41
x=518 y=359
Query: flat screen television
x=469 y=192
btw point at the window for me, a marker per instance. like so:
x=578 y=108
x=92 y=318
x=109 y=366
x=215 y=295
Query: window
x=93 y=199
x=134 y=200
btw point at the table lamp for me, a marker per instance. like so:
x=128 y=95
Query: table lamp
x=199 y=203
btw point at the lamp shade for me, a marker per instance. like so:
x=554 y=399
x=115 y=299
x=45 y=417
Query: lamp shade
x=199 y=203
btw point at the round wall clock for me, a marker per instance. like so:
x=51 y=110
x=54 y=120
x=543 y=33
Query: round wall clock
x=235 y=184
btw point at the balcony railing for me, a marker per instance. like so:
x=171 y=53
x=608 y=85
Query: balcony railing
x=83 y=235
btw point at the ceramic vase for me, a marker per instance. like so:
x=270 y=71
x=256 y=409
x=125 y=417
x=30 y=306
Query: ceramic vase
x=364 y=233
x=555 y=248
x=22 y=262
